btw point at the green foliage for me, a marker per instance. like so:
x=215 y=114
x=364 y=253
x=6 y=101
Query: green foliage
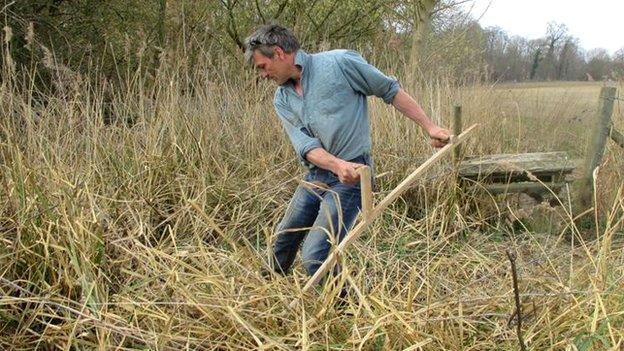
x=80 y=33
x=116 y=36
x=598 y=340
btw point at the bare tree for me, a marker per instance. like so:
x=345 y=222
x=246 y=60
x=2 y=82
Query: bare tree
x=618 y=64
x=555 y=33
x=421 y=11
x=599 y=64
x=496 y=44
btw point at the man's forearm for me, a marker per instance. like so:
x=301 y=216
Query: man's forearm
x=322 y=159
x=410 y=108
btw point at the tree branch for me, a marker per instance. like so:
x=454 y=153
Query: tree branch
x=260 y=12
x=514 y=275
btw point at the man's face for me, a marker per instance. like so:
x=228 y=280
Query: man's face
x=275 y=68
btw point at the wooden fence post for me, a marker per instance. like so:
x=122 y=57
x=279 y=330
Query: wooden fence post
x=596 y=148
x=457 y=129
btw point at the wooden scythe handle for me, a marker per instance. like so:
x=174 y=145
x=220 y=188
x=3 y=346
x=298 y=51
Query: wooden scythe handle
x=376 y=212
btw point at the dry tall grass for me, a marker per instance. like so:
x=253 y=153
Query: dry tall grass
x=103 y=246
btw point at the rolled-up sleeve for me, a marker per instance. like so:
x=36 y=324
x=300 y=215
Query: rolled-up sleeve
x=366 y=78
x=299 y=136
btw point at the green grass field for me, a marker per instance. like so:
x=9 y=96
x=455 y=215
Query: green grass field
x=149 y=233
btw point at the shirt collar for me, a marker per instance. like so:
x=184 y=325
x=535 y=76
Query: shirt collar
x=302 y=59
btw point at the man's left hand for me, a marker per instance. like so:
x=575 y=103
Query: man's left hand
x=439 y=137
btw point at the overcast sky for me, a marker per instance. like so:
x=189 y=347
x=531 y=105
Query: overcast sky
x=596 y=23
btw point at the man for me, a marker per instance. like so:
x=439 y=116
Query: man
x=321 y=101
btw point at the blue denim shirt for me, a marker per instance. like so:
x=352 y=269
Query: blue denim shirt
x=333 y=112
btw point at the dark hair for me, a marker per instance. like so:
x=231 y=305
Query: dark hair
x=267 y=36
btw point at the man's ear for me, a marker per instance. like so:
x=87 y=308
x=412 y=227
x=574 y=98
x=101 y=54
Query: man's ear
x=279 y=52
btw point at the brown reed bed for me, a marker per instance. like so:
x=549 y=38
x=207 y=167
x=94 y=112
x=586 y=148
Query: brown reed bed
x=135 y=219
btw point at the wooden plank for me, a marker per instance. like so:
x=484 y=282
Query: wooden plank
x=522 y=187
x=617 y=137
x=367 y=191
x=376 y=212
x=597 y=146
x=538 y=163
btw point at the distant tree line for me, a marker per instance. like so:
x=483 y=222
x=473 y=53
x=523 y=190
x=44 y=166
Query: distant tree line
x=555 y=56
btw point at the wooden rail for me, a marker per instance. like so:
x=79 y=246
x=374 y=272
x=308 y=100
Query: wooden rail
x=617 y=137
x=536 y=174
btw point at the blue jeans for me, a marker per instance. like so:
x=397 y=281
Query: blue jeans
x=318 y=216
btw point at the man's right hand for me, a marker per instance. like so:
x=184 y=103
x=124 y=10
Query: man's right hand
x=347 y=172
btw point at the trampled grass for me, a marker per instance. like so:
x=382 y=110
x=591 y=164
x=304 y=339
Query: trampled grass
x=149 y=232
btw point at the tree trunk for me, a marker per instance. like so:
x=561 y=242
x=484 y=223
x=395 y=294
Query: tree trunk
x=422 y=11
x=563 y=61
x=536 y=61
x=162 y=16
